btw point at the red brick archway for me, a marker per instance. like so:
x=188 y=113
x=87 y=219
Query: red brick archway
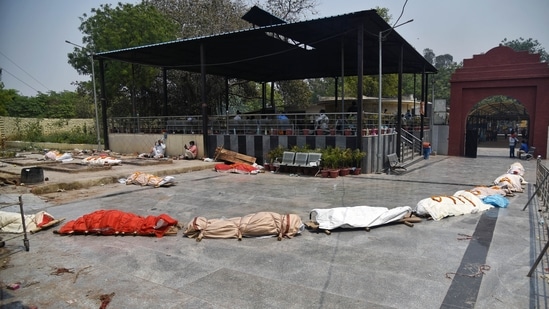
x=501 y=71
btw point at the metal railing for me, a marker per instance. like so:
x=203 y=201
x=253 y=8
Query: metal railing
x=542 y=192
x=542 y=183
x=411 y=145
x=260 y=124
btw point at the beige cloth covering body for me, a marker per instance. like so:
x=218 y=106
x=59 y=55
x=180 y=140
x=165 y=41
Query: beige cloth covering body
x=11 y=222
x=252 y=225
x=461 y=203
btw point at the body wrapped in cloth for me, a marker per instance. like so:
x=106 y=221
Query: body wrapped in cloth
x=358 y=216
x=144 y=179
x=252 y=225
x=116 y=222
x=11 y=222
x=442 y=206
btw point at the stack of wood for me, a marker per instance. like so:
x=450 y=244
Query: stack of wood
x=225 y=155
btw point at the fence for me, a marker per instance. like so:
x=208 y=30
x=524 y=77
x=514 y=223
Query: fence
x=262 y=124
x=542 y=172
x=542 y=191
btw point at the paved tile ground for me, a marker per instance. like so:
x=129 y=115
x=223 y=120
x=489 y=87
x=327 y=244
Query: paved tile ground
x=392 y=266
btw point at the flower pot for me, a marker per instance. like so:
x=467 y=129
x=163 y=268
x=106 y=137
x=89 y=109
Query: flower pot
x=289 y=132
x=319 y=132
x=334 y=173
x=348 y=132
x=357 y=171
x=324 y=173
x=305 y=131
x=344 y=172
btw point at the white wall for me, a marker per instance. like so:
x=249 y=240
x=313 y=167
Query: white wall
x=439 y=139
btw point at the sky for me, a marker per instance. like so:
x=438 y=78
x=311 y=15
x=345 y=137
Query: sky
x=33 y=52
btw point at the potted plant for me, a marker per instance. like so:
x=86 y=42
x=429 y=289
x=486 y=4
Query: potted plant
x=346 y=160
x=357 y=161
x=331 y=157
x=328 y=161
x=272 y=155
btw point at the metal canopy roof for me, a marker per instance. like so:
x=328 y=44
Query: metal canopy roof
x=288 y=51
x=507 y=109
x=259 y=17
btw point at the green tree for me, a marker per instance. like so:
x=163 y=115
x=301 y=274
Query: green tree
x=26 y=107
x=196 y=18
x=59 y=105
x=7 y=96
x=530 y=45
x=206 y=17
x=296 y=95
x=111 y=28
x=291 y=10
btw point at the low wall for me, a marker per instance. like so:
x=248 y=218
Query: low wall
x=256 y=145
x=251 y=145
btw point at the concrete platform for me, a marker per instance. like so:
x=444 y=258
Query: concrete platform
x=430 y=265
x=72 y=175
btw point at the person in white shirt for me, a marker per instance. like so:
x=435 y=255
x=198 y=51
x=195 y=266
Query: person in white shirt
x=158 y=150
x=322 y=120
x=237 y=117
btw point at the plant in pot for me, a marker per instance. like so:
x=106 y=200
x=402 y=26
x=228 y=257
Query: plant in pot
x=273 y=155
x=327 y=161
x=326 y=164
x=346 y=160
x=334 y=160
x=357 y=161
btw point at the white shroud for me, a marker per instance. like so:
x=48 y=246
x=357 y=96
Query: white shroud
x=358 y=216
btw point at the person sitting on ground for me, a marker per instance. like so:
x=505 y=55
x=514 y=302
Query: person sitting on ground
x=191 y=152
x=157 y=151
x=523 y=149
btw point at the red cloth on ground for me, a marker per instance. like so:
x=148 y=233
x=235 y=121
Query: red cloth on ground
x=240 y=168
x=112 y=222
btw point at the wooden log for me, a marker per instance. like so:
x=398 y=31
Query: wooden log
x=222 y=154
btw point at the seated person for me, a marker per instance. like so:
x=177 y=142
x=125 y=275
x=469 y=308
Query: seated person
x=157 y=151
x=523 y=149
x=191 y=152
x=237 y=117
x=322 y=121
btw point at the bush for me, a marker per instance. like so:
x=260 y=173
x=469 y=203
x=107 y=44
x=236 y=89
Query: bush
x=34 y=132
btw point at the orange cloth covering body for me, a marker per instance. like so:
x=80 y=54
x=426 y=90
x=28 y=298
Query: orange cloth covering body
x=116 y=222
x=239 y=168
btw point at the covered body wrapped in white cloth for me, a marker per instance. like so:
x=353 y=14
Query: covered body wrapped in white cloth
x=516 y=168
x=101 y=160
x=144 y=179
x=357 y=216
x=461 y=203
x=483 y=192
x=512 y=182
x=11 y=222
x=55 y=155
